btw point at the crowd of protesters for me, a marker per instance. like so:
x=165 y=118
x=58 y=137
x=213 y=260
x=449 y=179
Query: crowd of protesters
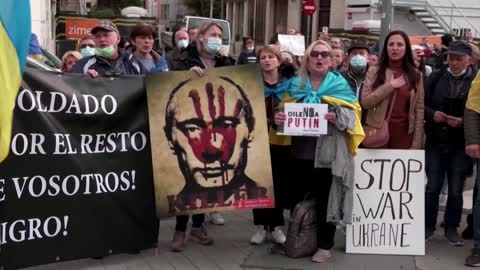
x=426 y=95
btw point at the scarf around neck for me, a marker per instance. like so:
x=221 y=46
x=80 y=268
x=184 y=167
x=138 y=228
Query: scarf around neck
x=333 y=85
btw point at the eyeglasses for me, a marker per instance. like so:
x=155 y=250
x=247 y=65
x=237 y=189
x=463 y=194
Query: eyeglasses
x=87 y=45
x=324 y=54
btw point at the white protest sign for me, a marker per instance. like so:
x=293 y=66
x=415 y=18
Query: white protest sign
x=303 y=119
x=292 y=43
x=388 y=203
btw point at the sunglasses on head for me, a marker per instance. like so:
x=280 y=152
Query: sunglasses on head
x=87 y=45
x=324 y=54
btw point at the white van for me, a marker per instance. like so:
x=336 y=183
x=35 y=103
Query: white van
x=362 y=15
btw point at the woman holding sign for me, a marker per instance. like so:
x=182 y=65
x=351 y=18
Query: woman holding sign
x=393 y=96
x=270 y=221
x=318 y=159
x=205 y=53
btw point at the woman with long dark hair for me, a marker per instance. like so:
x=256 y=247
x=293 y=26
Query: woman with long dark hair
x=395 y=88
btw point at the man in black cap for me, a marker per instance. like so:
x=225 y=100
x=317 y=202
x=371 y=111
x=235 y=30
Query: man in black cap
x=446 y=92
x=108 y=60
x=358 y=67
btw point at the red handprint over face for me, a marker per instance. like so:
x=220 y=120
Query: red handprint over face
x=213 y=140
x=212 y=128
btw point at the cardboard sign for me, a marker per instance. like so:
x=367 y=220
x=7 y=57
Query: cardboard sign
x=305 y=119
x=292 y=43
x=388 y=214
x=209 y=141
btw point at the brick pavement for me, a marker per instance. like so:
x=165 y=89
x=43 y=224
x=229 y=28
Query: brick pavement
x=232 y=251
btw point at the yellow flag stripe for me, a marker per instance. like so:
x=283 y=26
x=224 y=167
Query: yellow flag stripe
x=355 y=135
x=473 y=101
x=10 y=79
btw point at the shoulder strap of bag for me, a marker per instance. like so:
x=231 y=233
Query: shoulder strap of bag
x=391 y=105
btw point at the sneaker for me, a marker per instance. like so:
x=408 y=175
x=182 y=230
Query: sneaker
x=429 y=233
x=200 y=236
x=277 y=236
x=322 y=255
x=216 y=218
x=178 y=242
x=259 y=236
x=453 y=238
x=474 y=258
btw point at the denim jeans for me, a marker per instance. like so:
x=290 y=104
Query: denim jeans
x=451 y=161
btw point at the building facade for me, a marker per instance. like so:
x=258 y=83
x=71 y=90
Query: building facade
x=261 y=19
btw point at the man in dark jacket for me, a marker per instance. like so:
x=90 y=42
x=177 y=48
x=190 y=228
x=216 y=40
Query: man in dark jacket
x=108 y=60
x=446 y=92
x=248 y=55
x=472 y=148
x=440 y=58
x=181 y=39
x=358 y=67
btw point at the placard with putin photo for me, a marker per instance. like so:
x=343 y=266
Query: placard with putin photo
x=209 y=139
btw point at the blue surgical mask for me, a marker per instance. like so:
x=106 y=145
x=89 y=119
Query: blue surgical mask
x=213 y=45
x=182 y=44
x=87 y=51
x=358 y=61
x=457 y=75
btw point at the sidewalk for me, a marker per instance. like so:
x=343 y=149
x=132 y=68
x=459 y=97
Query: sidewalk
x=232 y=251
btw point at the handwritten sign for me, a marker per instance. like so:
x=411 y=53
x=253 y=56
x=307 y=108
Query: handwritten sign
x=292 y=43
x=388 y=203
x=305 y=119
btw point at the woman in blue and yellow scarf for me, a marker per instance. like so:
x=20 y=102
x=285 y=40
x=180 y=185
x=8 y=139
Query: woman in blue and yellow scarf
x=317 y=83
x=270 y=221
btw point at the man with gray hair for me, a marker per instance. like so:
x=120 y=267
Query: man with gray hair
x=108 y=60
x=446 y=92
x=181 y=39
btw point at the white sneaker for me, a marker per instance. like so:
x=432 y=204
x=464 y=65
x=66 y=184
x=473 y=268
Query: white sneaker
x=278 y=236
x=259 y=236
x=216 y=218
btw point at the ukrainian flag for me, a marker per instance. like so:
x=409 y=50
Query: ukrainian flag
x=15 y=30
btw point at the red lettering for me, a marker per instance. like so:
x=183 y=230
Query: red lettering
x=289 y=121
x=297 y=122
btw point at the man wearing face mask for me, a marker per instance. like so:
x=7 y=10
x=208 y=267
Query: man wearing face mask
x=108 y=60
x=181 y=42
x=87 y=46
x=248 y=56
x=446 y=93
x=357 y=70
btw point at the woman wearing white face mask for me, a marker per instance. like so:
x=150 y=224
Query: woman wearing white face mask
x=206 y=52
x=248 y=56
x=197 y=57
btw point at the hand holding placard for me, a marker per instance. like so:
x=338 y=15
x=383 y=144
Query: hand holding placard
x=302 y=119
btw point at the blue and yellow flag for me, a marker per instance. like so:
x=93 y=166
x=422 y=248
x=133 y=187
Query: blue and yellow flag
x=15 y=30
x=473 y=101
